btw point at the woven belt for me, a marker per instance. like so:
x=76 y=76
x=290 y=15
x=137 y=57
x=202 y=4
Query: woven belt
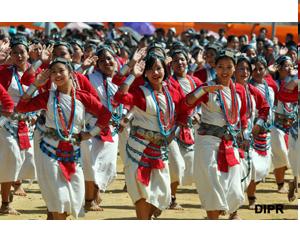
x=284 y=120
x=151 y=136
x=214 y=130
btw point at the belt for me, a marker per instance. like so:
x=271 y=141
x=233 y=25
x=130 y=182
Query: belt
x=284 y=120
x=151 y=136
x=214 y=130
x=52 y=133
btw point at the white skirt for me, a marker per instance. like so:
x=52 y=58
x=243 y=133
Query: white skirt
x=261 y=165
x=18 y=164
x=100 y=161
x=59 y=194
x=279 y=149
x=294 y=154
x=217 y=190
x=158 y=192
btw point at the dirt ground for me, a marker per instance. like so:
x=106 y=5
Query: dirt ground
x=118 y=206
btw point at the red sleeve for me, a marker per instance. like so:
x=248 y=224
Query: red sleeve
x=118 y=79
x=5 y=76
x=86 y=85
x=134 y=97
x=29 y=77
x=271 y=83
x=243 y=117
x=201 y=74
x=94 y=106
x=37 y=103
x=286 y=95
x=6 y=101
x=261 y=103
x=185 y=107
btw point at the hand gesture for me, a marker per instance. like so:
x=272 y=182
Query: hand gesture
x=85 y=135
x=139 y=54
x=46 y=53
x=138 y=69
x=210 y=89
x=168 y=60
x=199 y=58
x=89 y=61
x=42 y=78
x=4 y=47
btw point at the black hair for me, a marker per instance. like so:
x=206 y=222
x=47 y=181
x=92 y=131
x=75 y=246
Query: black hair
x=243 y=58
x=150 y=60
x=226 y=53
x=179 y=51
x=63 y=61
x=66 y=44
x=230 y=38
x=19 y=40
x=105 y=48
x=261 y=60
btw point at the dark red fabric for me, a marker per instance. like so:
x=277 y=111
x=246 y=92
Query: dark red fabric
x=226 y=157
x=144 y=173
x=23 y=137
x=6 y=101
x=186 y=136
x=286 y=140
x=67 y=168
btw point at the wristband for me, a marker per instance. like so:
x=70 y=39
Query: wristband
x=37 y=64
x=260 y=122
x=124 y=70
x=3 y=121
x=31 y=89
x=129 y=80
x=95 y=131
x=193 y=67
x=199 y=92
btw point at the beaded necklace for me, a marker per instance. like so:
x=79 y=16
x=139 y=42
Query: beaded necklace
x=68 y=127
x=166 y=126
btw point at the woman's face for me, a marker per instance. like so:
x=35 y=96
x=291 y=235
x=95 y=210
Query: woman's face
x=35 y=51
x=210 y=56
x=179 y=64
x=156 y=73
x=242 y=72
x=225 y=69
x=106 y=63
x=285 y=69
x=251 y=53
x=59 y=74
x=259 y=71
x=78 y=53
x=19 y=55
x=62 y=52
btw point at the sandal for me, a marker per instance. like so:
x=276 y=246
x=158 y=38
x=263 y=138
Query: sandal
x=174 y=205
x=92 y=205
x=281 y=188
x=6 y=209
x=234 y=216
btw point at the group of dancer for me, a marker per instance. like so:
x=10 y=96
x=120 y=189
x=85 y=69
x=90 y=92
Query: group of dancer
x=177 y=113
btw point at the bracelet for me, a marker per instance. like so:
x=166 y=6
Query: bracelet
x=199 y=92
x=124 y=70
x=31 y=89
x=260 y=122
x=3 y=121
x=193 y=67
x=129 y=80
x=95 y=131
x=37 y=64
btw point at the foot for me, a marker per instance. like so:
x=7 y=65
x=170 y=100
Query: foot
x=252 y=201
x=174 y=205
x=98 y=199
x=157 y=213
x=292 y=191
x=6 y=209
x=281 y=188
x=92 y=206
x=234 y=216
x=19 y=190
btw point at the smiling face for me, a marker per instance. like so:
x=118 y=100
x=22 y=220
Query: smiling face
x=106 y=63
x=210 y=57
x=242 y=72
x=156 y=73
x=285 y=69
x=259 y=72
x=59 y=74
x=179 y=64
x=224 y=69
x=62 y=52
x=19 y=55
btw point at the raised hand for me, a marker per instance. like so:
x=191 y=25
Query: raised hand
x=46 y=53
x=4 y=47
x=199 y=58
x=139 y=54
x=89 y=61
x=210 y=89
x=138 y=69
x=42 y=78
